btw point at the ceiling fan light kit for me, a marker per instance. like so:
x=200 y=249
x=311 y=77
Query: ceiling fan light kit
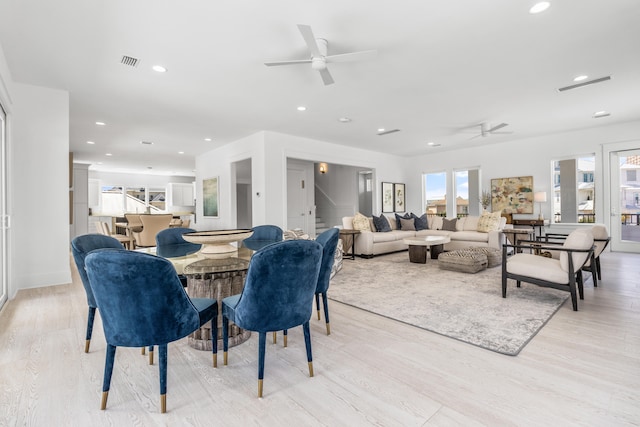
x=318 y=49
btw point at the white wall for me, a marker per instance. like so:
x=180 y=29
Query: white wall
x=39 y=188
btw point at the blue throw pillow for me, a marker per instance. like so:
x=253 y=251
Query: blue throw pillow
x=381 y=223
x=398 y=218
x=420 y=222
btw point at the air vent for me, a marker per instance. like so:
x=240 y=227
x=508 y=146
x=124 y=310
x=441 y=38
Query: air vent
x=590 y=82
x=387 y=132
x=129 y=60
x=146 y=142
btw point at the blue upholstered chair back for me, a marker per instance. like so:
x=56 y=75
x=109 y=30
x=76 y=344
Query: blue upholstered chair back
x=262 y=236
x=170 y=244
x=140 y=298
x=329 y=241
x=280 y=285
x=80 y=248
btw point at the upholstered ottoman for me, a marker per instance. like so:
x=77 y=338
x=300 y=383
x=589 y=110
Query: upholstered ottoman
x=494 y=256
x=463 y=260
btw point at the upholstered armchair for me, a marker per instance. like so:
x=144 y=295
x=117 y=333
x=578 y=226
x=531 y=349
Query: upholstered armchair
x=80 y=248
x=277 y=295
x=170 y=244
x=263 y=235
x=151 y=225
x=142 y=302
x=564 y=273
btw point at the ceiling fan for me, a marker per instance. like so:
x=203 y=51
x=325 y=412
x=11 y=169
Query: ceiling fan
x=319 y=58
x=486 y=129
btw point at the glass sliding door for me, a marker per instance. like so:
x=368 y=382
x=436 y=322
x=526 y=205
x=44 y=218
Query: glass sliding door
x=625 y=200
x=3 y=209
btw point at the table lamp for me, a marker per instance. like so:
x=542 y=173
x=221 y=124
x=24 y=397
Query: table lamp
x=540 y=197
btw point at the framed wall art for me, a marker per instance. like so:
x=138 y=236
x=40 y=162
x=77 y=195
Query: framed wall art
x=387 y=197
x=398 y=198
x=512 y=195
x=210 y=197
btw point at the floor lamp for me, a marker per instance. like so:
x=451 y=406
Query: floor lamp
x=540 y=198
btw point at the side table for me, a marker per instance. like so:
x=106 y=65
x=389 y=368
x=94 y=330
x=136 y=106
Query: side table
x=216 y=278
x=514 y=235
x=348 y=237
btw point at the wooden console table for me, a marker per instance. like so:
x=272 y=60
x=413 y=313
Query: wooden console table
x=536 y=224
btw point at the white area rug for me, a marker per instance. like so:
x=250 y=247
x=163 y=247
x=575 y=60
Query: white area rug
x=467 y=307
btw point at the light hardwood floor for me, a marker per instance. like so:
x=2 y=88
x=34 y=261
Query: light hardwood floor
x=583 y=368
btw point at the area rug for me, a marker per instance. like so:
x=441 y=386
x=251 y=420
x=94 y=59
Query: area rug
x=467 y=307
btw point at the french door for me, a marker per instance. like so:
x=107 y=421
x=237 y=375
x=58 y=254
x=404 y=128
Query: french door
x=624 y=195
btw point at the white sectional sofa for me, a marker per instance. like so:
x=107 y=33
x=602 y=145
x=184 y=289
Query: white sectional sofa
x=371 y=243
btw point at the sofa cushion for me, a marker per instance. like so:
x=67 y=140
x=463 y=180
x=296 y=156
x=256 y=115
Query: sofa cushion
x=391 y=236
x=471 y=223
x=420 y=222
x=449 y=224
x=460 y=223
x=407 y=224
x=381 y=224
x=361 y=222
x=399 y=217
x=435 y=222
x=489 y=222
x=470 y=236
x=392 y=222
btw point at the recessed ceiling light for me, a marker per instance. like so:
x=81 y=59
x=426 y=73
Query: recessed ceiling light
x=180 y=152
x=208 y=139
x=433 y=144
x=599 y=114
x=344 y=119
x=580 y=78
x=302 y=108
x=90 y=142
x=380 y=129
x=539 y=7
x=159 y=69
x=108 y=154
x=100 y=123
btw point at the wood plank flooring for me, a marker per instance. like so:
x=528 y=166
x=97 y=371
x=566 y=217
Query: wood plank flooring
x=583 y=368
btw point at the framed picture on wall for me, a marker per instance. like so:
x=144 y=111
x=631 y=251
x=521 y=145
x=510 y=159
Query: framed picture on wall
x=398 y=198
x=387 y=197
x=512 y=195
x=210 y=197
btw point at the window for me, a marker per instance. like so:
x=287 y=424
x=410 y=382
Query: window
x=435 y=193
x=574 y=190
x=631 y=175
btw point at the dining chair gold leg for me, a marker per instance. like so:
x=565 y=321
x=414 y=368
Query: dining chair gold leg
x=105 y=396
x=150 y=357
x=143 y=351
x=259 y=388
x=87 y=343
x=328 y=329
x=215 y=360
x=224 y=358
x=163 y=403
x=285 y=340
x=275 y=336
x=310 y=369
x=318 y=314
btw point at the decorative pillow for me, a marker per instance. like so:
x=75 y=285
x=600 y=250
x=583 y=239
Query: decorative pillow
x=489 y=222
x=435 y=222
x=449 y=224
x=407 y=224
x=420 y=222
x=381 y=223
x=398 y=218
x=392 y=223
x=295 y=234
x=361 y=222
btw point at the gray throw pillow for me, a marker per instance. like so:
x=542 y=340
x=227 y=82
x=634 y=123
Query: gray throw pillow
x=420 y=222
x=381 y=223
x=407 y=224
x=449 y=224
x=399 y=217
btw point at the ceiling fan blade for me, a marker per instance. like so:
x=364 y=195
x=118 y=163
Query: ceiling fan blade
x=353 y=56
x=496 y=127
x=292 y=62
x=310 y=40
x=326 y=77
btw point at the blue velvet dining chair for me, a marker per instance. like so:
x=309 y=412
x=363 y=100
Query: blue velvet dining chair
x=170 y=244
x=142 y=302
x=262 y=236
x=80 y=248
x=277 y=295
x=329 y=241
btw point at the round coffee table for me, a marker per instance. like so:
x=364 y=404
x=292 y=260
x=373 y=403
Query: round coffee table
x=418 y=247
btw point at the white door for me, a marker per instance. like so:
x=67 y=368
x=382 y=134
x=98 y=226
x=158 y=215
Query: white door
x=296 y=200
x=625 y=200
x=3 y=210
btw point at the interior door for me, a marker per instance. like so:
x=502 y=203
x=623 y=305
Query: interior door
x=625 y=200
x=296 y=200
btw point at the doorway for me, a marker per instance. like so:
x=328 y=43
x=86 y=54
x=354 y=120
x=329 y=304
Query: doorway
x=625 y=199
x=365 y=193
x=244 y=204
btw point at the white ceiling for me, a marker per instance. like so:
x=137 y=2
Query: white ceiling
x=442 y=66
